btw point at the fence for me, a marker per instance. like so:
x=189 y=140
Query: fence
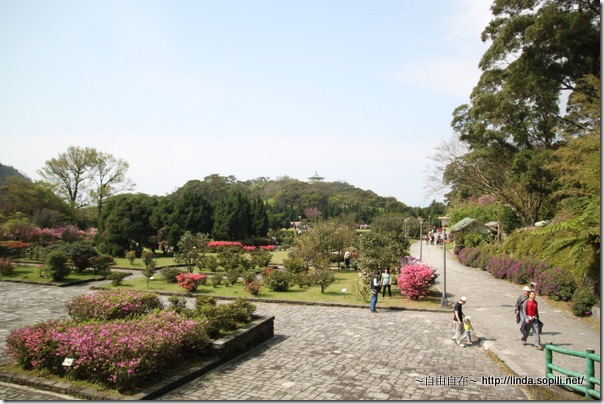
x=589 y=376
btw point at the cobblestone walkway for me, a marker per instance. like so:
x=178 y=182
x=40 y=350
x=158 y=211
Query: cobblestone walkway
x=326 y=353
x=318 y=353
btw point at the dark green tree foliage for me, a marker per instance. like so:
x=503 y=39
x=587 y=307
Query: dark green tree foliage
x=185 y=210
x=125 y=224
x=232 y=217
x=258 y=218
x=44 y=208
x=539 y=49
x=8 y=171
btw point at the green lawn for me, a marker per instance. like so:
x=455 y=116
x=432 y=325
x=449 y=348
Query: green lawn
x=31 y=273
x=333 y=293
x=162 y=261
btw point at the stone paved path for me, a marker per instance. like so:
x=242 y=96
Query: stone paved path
x=327 y=353
x=334 y=353
x=491 y=305
x=318 y=353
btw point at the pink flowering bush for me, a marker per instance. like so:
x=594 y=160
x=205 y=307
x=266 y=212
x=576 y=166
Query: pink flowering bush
x=122 y=354
x=190 y=281
x=268 y=247
x=252 y=287
x=224 y=245
x=6 y=267
x=112 y=305
x=415 y=279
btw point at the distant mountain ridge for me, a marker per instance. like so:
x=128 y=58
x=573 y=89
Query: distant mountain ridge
x=8 y=171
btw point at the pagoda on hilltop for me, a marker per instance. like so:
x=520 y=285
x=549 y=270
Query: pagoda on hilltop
x=316 y=178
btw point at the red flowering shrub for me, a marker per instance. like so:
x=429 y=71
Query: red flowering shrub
x=190 y=281
x=6 y=267
x=252 y=287
x=224 y=245
x=12 y=248
x=415 y=280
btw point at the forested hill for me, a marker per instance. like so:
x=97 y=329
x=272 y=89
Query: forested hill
x=7 y=171
x=293 y=198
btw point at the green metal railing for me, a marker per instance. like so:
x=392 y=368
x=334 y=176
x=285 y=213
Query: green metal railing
x=589 y=376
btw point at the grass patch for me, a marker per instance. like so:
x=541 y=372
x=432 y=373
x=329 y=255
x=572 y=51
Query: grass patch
x=31 y=273
x=161 y=261
x=333 y=293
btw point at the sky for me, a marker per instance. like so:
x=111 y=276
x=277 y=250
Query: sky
x=360 y=92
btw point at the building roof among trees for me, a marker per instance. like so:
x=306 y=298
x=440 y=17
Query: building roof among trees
x=468 y=224
x=316 y=177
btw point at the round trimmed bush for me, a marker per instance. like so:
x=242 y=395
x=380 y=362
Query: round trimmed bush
x=56 y=265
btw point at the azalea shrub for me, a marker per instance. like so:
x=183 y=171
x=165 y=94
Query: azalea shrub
x=415 y=279
x=224 y=245
x=219 y=319
x=252 y=287
x=112 y=304
x=556 y=283
x=190 y=281
x=469 y=256
x=6 y=266
x=14 y=249
x=278 y=280
x=56 y=265
x=260 y=258
x=121 y=354
x=170 y=274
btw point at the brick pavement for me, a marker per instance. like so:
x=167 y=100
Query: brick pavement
x=318 y=353
x=329 y=353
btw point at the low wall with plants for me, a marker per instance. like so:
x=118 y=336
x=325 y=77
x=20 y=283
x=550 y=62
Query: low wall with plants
x=556 y=283
x=126 y=340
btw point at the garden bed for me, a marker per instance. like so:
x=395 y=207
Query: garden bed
x=223 y=350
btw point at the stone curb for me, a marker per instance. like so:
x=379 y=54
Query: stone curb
x=57 y=284
x=224 y=349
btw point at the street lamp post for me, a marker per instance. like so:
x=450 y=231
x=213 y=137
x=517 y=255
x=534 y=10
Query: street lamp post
x=443 y=221
x=421 y=236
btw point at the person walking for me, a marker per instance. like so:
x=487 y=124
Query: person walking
x=519 y=312
x=386 y=281
x=530 y=310
x=347 y=255
x=458 y=319
x=375 y=290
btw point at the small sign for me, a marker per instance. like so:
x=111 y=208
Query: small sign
x=344 y=290
x=68 y=362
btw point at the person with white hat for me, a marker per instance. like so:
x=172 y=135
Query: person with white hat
x=458 y=319
x=518 y=311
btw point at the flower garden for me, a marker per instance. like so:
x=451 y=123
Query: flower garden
x=109 y=341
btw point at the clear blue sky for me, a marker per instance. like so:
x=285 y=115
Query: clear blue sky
x=358 y=91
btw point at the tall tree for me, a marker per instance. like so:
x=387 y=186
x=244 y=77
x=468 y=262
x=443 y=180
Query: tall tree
x=232 y=217
x=108 y=178
x=258 y=218
x=70 y=172
x=539 y=49
x=125 y=224
x=86 y=175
